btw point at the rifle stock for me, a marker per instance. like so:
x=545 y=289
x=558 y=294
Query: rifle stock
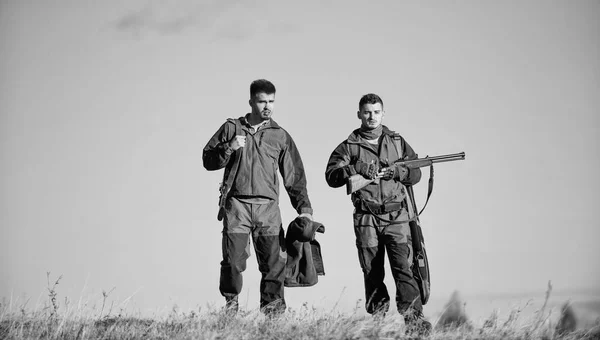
x=357 y=182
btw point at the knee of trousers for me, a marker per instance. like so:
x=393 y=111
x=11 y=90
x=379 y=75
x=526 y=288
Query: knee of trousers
x=401 y=261
x=235 y=248
x=233 y=267
x=371 y=261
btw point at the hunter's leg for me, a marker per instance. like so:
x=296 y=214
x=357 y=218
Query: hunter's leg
x=269 y=245
x=397 y=240
x=235 y=242
x=371 y=255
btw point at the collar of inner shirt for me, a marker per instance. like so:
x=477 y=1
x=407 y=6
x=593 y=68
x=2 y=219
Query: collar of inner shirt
x=259 y=125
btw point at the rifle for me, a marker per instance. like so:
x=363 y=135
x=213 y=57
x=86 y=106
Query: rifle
x=356 y=182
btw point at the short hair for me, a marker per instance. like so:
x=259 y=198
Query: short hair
x=261 y=85
x=370 y=98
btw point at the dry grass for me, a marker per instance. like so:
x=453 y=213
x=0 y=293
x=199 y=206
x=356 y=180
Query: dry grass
x=54 y=320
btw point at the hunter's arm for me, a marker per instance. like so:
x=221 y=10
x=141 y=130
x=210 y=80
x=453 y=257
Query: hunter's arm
x=217 y=152
x=294 y=177
x=414 y=175
x=338 y=167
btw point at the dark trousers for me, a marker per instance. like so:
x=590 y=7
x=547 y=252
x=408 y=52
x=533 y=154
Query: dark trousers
x=262 y=224
x=373 y=239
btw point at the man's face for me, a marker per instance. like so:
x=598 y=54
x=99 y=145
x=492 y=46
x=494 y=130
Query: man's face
x=371 y=115
x=262 y=105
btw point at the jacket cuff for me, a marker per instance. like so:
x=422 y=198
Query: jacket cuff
x=350 y=170
x=305 y=210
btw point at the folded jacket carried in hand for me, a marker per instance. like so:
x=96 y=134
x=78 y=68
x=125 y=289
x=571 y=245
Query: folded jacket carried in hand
x=304 y=259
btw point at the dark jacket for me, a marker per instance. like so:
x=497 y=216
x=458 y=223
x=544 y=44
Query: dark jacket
x=341 y=166
x=267 y=151
x=304 y=259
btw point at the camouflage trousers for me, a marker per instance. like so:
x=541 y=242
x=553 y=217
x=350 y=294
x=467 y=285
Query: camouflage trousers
x=260 y=223
x=373 y=238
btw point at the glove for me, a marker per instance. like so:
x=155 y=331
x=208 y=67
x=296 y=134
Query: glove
x=397 y=172
x=367 y=170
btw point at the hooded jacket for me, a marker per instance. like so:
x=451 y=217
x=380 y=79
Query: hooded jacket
x=342 y=160
x=304 y=260
x=267 y=151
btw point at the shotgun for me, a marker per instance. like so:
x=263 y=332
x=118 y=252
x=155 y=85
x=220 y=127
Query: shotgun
x=356 y=182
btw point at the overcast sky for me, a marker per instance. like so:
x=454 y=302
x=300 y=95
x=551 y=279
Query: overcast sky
x=105 y=108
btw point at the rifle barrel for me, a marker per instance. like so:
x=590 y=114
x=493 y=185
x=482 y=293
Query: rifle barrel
x=454 y=156
x=440 y=160
x=437 y=159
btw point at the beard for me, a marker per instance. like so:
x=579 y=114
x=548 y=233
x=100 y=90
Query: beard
x=266 y=114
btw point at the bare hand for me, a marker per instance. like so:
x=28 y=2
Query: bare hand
x=307 y=215
x=237 y=142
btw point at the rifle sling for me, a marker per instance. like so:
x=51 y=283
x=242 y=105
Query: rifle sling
x=429 y=189
x=236 y=161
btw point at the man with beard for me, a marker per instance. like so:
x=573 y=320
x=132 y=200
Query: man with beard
x=381 y=218
x=252 y=149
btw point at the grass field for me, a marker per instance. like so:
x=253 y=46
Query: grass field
x=213 y=324
x=61 y=319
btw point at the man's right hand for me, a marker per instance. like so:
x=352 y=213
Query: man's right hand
x=367 y=170
x=237 y=142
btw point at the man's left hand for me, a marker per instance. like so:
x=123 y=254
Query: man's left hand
x=397 y=172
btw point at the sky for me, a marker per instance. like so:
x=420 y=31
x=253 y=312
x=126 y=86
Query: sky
x=105 y=108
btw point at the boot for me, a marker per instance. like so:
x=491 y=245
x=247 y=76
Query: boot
x=416 y=324
x=274 y=309
x=231 y=305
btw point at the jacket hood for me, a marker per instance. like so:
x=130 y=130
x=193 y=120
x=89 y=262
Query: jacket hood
x=302 y=229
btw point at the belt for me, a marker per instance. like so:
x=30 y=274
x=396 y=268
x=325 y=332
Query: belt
x=378 y=209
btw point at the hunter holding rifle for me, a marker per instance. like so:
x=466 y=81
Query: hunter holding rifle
x=252 y=149
x=381 y=215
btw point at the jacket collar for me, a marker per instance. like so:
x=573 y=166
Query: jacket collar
x=269 y=124
x=355 y=138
